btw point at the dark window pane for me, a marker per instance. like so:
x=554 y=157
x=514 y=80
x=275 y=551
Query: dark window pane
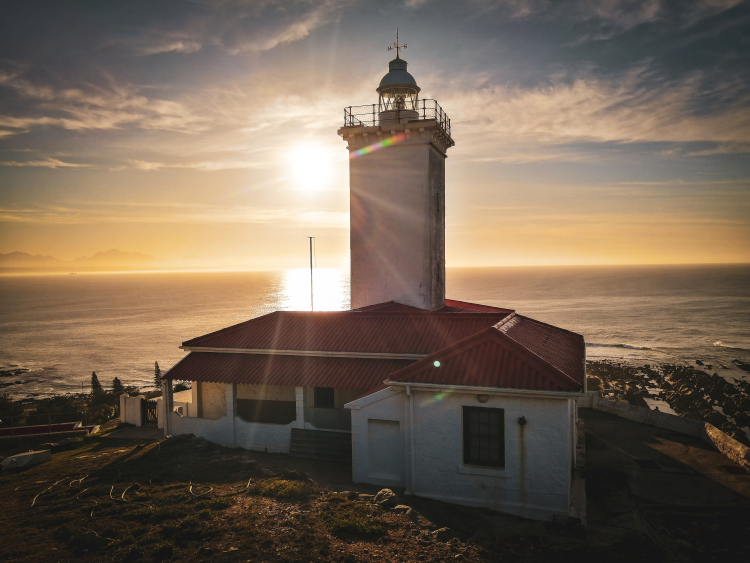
x=324 y=398
x=484 y=436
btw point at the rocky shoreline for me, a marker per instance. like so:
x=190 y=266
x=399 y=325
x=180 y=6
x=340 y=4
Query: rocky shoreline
x=691 y=392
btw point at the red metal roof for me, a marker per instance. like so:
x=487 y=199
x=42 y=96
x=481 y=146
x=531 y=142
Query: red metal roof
x=298 y=371
x=489 y=359
x=351 y=331
x=476 y=345
x=563 y=349
x=451 y=306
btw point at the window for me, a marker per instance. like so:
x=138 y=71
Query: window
x=324 y=398
x=484 y=436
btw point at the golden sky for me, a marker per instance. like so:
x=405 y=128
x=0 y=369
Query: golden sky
x=586 y=132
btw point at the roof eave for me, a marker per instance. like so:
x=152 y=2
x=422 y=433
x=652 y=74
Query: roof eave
x=487 y=390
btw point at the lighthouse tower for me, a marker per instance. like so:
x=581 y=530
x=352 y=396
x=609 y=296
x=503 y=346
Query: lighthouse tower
x=397 y=151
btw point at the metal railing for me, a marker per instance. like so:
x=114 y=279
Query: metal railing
x=28 y=424
x=377 y=115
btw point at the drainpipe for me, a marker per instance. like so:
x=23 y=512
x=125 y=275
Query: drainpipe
x=412 y=480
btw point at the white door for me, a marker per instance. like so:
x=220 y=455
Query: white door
x=386 y=451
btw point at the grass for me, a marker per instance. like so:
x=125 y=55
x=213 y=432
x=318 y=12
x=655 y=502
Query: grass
x=345 y=517
x=281 y=488
x=137 y=499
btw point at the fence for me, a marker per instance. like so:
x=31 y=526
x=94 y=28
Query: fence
x=27 y=424
x=376 y=115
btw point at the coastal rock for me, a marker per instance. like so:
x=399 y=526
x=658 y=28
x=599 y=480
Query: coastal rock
x=27 y=459
x=386 y=498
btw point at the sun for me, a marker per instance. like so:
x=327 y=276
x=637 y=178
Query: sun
x=311 y=167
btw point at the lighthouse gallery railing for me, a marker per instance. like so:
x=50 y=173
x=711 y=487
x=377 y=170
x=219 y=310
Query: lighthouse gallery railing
x=375 y=114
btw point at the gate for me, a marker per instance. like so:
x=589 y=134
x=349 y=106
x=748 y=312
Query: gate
x=148 y=413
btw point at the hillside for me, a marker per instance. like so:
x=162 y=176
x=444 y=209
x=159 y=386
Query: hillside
x=186 y=499
x=106 y=260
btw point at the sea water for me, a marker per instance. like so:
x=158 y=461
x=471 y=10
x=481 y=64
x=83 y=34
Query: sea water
x=61 y=328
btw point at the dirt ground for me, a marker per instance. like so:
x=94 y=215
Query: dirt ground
x=185 y=499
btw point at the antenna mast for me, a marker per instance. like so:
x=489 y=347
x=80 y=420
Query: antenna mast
x=311 y=273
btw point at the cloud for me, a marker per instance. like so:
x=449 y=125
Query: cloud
x=236 y=27
x=46 y=163
x=206 y=166
x=91 y=107
x=156 y=212
x=635 y=106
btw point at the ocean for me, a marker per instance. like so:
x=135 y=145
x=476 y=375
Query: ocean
x=57 y=329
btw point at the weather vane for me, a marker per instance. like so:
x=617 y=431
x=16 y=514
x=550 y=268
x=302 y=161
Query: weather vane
x=397 y=46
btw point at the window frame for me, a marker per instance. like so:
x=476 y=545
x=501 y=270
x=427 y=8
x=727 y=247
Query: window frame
x=468 y=435
x=317 y=400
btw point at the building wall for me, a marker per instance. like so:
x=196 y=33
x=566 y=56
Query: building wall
x=265 y=392
x=535 y=482
x=213 y=399
x=337 y=418
x=397 y=223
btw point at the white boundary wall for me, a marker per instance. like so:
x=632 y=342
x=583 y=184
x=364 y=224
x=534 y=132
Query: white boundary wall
x=731 y=448
x=232 y=431
x=130 y=409
x=539 y=456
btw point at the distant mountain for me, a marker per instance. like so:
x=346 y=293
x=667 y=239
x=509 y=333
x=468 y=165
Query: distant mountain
x=115 y=258
x=25 y=260
x=108 y=260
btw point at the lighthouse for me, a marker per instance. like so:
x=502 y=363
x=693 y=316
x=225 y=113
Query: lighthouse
x=397 y=151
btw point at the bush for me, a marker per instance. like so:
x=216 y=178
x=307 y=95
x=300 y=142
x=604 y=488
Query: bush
x=346 y=517
x=281 y=488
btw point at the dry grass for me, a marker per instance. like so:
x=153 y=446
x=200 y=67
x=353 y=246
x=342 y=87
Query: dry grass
x=107 y=499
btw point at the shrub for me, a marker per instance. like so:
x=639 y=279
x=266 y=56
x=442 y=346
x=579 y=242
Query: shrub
x=291 y=475
x=281 y=488
x=346 y=517
x=204 y=514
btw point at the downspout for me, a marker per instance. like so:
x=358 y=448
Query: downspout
x=412 y=480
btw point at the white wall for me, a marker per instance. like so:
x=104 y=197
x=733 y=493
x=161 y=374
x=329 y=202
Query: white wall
x=397 y=220
x=228 y=429
x=214 y=400
x=535 y=482
x=130 y=409
x=266 y=392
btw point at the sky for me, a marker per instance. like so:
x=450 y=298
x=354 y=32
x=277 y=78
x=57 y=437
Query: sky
x=586 y=131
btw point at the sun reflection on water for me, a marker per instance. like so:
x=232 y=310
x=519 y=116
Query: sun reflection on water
x=331 y=290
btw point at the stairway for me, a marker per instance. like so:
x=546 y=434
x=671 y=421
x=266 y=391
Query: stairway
x=322 y=445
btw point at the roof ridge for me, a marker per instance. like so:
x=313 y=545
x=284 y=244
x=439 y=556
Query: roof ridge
x=492 y=332
x=230 y=328
x=545 y=324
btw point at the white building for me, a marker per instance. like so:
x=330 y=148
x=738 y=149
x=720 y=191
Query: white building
x=455 y=401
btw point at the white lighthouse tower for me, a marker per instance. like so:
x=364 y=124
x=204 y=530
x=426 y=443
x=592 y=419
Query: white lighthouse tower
x=397 y=151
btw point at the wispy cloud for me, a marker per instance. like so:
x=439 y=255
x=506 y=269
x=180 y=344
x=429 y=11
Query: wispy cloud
x=92 y=107
x=46 y=163
x=627 y=108
x=104 y=212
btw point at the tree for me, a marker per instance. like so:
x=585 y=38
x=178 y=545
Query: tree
x=157 y=376
x=96 y=388
x=117 y=387
x=9 y=408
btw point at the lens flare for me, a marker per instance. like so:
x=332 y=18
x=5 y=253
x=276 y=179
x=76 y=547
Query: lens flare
x=379 y=145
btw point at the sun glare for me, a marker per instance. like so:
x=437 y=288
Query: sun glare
x=311 y=167
x=331 y=292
